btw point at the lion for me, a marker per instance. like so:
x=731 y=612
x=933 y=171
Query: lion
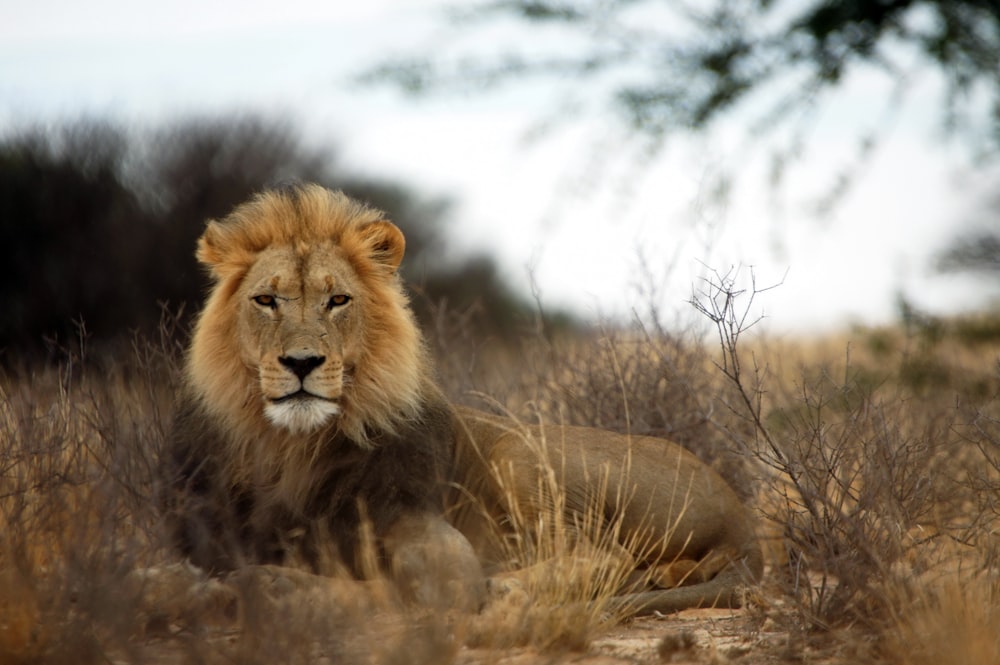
x=311 y=433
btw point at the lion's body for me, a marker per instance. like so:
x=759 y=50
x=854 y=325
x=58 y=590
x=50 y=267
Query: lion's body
x=675 y=519
x=312 y=431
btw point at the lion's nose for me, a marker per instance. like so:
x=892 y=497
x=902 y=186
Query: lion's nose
x=301 y=365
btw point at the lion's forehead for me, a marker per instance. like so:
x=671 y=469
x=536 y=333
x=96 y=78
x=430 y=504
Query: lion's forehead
x=289 y=271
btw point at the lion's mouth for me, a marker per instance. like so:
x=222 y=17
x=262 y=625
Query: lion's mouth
x=302 y=411
x=301 y=394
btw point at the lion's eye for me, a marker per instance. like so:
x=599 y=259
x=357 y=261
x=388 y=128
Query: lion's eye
x=338 y=300
x=266 y=301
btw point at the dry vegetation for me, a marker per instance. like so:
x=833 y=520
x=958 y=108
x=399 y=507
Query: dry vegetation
x=873 y=459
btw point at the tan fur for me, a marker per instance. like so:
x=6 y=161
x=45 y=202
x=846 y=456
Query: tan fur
x=648 y=502
x=283 y=264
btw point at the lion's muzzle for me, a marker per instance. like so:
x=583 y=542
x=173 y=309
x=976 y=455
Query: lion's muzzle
x=302 y=391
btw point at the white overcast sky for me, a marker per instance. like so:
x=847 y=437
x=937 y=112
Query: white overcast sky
x=570 y=211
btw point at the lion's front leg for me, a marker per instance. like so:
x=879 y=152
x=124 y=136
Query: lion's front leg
x=433 y=564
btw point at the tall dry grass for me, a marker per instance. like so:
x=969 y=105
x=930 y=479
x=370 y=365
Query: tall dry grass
x=562 y=569
x=872 y=459
x=77 y=452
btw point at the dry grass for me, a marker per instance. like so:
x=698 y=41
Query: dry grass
x=563 y=569
x=76 y=509
x=954 y=621
x=873 y=459
x=86 y=577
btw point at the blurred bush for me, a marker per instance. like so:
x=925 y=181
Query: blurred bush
x=98 y=226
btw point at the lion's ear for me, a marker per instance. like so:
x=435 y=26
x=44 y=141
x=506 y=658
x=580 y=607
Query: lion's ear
x=213 y=250
x=385 y=243
x=208 y=253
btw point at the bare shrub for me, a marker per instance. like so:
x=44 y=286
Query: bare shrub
x=862 y=476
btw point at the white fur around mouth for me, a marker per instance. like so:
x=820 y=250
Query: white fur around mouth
x=301 y=412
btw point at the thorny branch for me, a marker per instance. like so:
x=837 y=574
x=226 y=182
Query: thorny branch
x=717 y=300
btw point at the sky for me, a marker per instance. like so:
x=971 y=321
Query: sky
x=573 y=209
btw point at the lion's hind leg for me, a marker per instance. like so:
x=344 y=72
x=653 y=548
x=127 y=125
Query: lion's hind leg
x=702 y=584
x=686 y=572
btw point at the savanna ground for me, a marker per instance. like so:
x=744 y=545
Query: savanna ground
x=872 y=459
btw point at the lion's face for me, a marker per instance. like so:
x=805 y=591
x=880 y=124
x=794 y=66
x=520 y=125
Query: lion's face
x=307 y=326
x=299 y=326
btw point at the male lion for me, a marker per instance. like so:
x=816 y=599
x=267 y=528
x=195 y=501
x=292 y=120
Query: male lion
x=311 y=432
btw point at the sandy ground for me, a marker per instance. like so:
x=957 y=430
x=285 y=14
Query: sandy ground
x=692 y=636
x=714 y=637
x=278 y=603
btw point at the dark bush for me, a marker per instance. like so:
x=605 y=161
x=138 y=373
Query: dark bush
x=98 y=226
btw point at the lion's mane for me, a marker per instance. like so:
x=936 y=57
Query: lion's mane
x=386 y=388
x=243 y=480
